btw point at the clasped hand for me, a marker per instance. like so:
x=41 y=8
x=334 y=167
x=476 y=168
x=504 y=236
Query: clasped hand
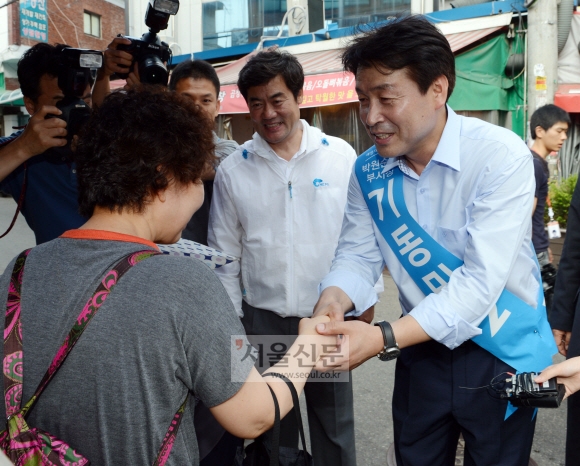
x=356 y=339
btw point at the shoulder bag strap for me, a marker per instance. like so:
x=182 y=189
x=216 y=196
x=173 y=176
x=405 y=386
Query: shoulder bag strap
x=275 y=447
x=13 y=326
x=13 y=341
x=171 y=435
x=296 y=402
x=12 y=364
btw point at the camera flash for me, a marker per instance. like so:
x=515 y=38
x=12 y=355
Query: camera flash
x=90 y=60
x=166 y=6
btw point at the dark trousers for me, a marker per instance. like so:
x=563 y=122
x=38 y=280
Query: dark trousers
x=573 y=415
x=432 y=406
x=329 y=404
x=573 y=431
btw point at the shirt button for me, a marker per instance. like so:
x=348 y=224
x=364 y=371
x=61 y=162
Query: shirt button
x=63 y=159
x=422 y=190
x=425 y=227
x=74 y=170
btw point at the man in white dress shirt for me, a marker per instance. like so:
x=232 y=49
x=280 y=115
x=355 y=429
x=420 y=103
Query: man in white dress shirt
x=278 y=205
x=445 y=202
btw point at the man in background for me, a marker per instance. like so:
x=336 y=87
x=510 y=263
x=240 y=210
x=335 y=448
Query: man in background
x=548 y=128
x=278 y=205
x=31 y=169
x=197 y=80
x=565 y=318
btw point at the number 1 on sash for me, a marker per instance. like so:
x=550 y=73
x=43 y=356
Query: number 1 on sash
x=378 y=193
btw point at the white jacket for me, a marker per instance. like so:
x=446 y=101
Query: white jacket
x=282 y=219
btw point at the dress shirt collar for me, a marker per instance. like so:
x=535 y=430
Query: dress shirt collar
x=262 y=147
x=448 y=149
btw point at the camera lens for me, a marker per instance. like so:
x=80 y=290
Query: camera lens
x=153 y=71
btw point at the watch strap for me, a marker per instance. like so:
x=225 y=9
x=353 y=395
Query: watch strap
x=388 y=334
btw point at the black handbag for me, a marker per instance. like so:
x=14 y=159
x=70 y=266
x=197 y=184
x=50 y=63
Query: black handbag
x=262 y=452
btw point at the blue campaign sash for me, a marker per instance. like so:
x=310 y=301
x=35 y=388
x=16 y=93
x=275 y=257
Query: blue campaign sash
x=513 y=331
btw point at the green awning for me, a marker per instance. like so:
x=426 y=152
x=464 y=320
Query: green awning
x=482 y=84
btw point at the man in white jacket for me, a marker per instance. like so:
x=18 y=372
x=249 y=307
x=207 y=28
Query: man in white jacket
x=278 y=205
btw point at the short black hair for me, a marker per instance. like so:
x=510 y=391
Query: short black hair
x=135 y=144
x=407 y=42
x=265 y=66
x=547 y=116
x=195 y=69
x=39 y=60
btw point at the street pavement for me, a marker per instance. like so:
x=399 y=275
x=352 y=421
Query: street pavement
x=19 y=238
x=373 y=381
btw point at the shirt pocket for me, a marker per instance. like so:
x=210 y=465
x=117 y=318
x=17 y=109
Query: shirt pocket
x=453 y=239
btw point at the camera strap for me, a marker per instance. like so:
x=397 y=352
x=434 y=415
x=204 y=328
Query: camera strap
x=20 y=202
x=20 y=199
x=513 y=331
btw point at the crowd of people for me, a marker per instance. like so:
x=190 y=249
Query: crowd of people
x=446 y=202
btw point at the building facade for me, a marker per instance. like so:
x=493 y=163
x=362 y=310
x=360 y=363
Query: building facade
x=202 y=25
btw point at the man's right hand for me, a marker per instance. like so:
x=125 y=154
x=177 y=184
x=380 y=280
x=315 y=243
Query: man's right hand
x=333 y=302
x=562 y=339
x=42 y=134
x=332 y=310
x=39 y=135
x=116 y=61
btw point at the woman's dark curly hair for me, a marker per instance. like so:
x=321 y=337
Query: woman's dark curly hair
x=135 y=144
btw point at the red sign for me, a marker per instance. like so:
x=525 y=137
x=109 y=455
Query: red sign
x=318 y=91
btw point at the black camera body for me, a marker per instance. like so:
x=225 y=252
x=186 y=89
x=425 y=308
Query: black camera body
x=522 y=391
x=77 y=72
x=150 y=54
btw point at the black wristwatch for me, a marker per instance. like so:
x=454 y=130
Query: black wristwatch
x=390 y=349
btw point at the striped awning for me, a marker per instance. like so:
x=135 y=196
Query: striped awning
x=325 y=82
x=11 y=97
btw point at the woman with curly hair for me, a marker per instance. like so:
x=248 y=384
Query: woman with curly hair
x=157 y=334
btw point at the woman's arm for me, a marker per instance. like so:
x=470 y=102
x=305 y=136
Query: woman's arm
x=250 y=412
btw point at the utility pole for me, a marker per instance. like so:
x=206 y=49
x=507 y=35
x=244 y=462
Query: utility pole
x=542 y=60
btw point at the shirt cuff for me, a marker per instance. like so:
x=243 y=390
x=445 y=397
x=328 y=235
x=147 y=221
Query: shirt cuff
x=443 y=325
x=359 y=291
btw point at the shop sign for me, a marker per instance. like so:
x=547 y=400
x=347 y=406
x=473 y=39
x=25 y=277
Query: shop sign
x=318 y=91
x=34 y=20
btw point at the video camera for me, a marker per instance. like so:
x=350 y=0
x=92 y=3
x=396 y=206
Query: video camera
x=521 y=391
x=150 y=52
x=77 y=71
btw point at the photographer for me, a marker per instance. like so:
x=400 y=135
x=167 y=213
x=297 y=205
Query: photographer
x=41 y=180
x=139 y=60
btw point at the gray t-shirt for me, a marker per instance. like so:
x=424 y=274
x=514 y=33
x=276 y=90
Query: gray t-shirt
x=164 y=329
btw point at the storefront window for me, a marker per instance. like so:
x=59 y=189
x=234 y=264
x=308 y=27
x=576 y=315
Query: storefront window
x=229 y=23
x=352 y=12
